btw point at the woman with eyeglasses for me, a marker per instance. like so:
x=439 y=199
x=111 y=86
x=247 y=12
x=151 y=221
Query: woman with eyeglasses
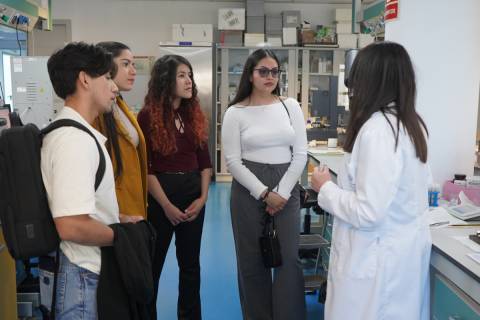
x=265 y=146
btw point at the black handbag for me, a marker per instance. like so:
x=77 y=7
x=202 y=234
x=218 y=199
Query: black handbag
x=269 y=244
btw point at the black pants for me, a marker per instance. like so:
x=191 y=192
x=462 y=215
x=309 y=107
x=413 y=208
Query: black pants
x=181 y=190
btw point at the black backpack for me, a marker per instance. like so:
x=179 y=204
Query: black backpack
x=25 y=216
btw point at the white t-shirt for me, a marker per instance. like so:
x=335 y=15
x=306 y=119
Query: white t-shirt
x=69 y=163
x=264 y=134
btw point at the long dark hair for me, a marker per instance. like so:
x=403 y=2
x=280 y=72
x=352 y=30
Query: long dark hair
x=113 y=147
x=159 y=104
x=383 y=73
x=245 y=86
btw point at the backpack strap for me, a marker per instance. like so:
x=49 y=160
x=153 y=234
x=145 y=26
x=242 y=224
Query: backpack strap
x=72 y=123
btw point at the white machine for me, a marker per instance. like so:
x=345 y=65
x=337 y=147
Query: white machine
x=33 y=97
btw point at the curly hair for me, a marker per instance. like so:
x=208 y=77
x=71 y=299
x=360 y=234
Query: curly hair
x=159 y=105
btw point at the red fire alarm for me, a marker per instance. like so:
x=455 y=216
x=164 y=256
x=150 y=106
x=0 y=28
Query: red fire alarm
x=391 y=10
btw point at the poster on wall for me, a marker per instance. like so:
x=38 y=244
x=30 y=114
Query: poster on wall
x=143 y=64
x=391 y=10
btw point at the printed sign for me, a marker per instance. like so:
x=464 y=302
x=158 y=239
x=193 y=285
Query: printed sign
x=391 y=10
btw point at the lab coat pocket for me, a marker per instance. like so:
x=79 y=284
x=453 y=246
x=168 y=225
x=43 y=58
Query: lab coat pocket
x=355 y=253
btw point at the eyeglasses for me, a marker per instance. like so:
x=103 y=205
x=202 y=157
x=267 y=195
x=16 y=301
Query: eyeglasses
x=264 y=72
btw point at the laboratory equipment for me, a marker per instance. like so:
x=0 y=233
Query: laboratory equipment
x=33 y=97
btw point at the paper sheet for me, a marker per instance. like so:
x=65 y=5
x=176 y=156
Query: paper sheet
x=468 y=243
x=325 y=151
x=437 y=216
x=17 y=67
x=464 y=199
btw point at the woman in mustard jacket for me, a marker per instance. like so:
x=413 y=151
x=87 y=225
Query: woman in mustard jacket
x=126 y=143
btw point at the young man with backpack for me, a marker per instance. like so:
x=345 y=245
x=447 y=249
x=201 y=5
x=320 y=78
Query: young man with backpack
x=82 y=203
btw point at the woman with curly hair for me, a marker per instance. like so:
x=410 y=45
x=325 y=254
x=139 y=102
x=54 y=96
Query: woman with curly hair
x=179 y=172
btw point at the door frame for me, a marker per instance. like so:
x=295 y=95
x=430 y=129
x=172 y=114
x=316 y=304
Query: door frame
x=31 y=37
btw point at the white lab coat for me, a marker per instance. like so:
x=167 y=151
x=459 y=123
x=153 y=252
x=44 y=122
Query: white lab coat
x=380 y=252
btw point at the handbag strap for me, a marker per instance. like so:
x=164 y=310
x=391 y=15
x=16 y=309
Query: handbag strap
x=289 y=118
x=286 y=109
x=269 y=225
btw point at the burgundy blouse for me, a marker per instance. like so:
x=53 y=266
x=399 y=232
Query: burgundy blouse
x=187 y=158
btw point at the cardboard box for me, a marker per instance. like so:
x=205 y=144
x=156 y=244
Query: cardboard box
x=231 y=19
x=253 y=39
x=231 y=37
x=308 y=36
x=306 y=25
x=290 y=37
x=364 y=40
x=274 y=41
x=278 y=34
x=255 y=24
x=347 y=41
x=344 y=27
x=343 y=14
x=291 y=19
x=273 y=24
x=192 y=32
x=255 y=8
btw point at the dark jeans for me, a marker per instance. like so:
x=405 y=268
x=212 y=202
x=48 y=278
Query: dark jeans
x=181 y=190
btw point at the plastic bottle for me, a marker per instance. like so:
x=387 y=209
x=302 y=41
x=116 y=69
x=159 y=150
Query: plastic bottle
x=433 y=195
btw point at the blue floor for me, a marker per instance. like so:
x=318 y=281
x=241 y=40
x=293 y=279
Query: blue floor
x=219 y=290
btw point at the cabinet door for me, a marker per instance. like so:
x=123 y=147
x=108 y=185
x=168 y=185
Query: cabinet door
x=229 y=71
x=317 y=72
x=450 y=303
x=319 y=88
x=236 y=62
x=283 y=81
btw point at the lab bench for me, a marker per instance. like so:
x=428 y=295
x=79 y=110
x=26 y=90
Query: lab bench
x=455 y=277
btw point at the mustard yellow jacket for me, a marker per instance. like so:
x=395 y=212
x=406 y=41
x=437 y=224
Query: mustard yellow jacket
x=131 y=186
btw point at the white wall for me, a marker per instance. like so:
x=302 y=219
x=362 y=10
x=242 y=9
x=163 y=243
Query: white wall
x=143 y=24
x=442 y=39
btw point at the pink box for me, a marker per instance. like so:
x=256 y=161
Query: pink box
x=451 y=191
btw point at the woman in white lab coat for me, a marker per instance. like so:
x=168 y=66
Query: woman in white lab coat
x=380 y=253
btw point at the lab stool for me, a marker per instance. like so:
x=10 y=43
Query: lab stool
x=313 y=242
